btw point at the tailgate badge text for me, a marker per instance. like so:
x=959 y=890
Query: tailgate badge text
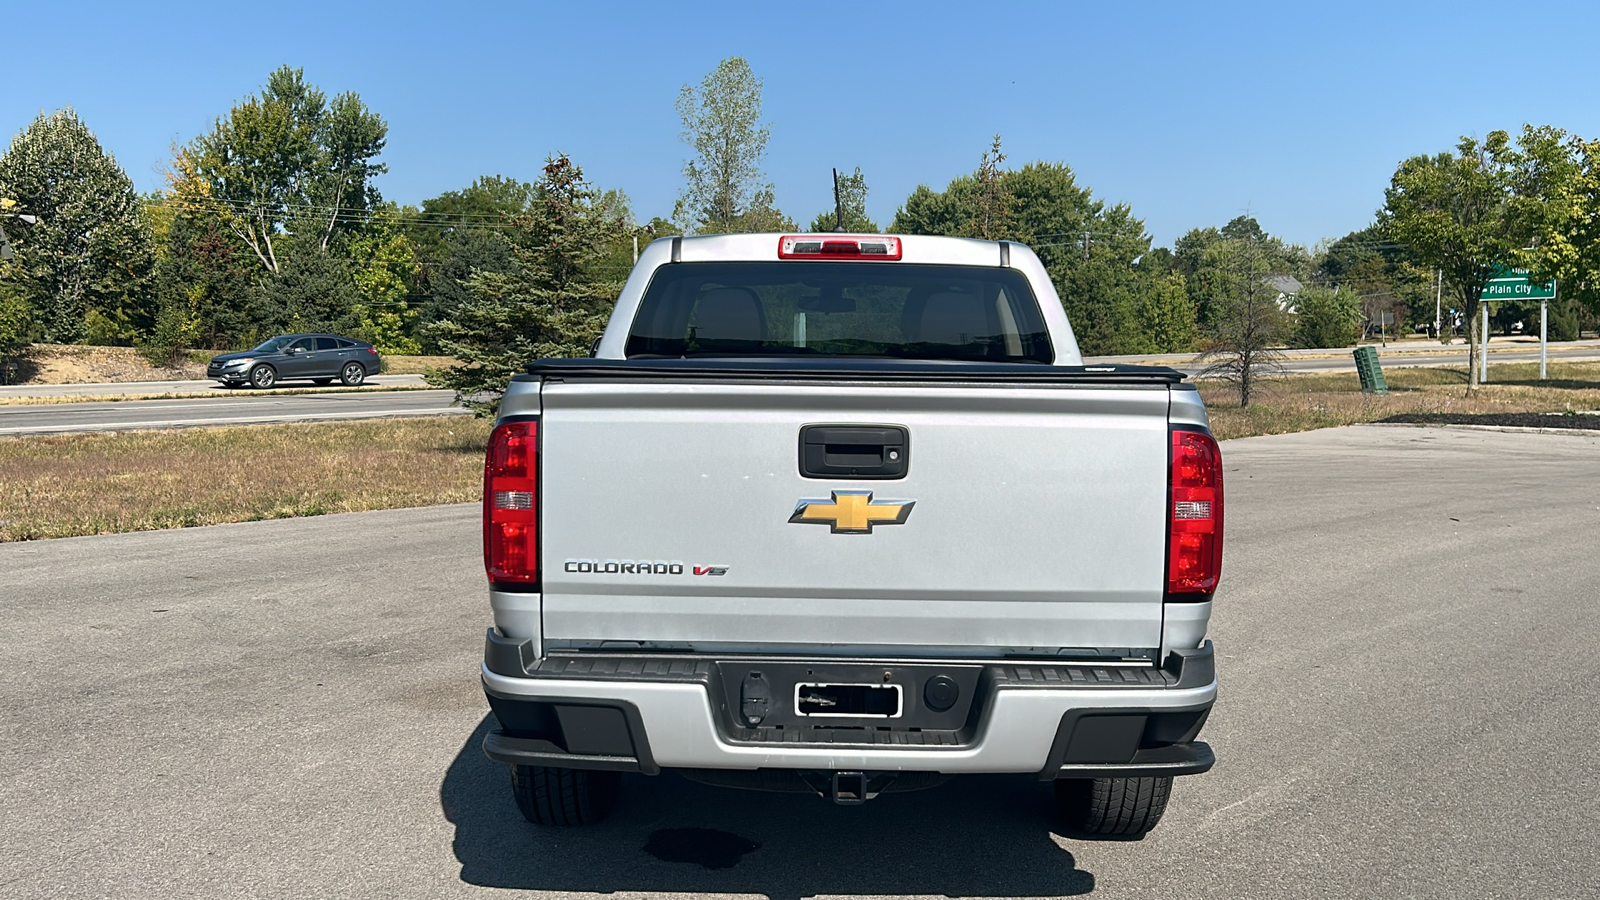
x=636 y=567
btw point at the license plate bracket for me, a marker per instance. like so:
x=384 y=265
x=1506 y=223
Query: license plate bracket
x=855 y=701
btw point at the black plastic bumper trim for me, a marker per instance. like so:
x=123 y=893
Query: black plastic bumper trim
x=1194 y=666
x=543 y=723
x=515 y=751
x=1175 y=759
x=508 y=656
x=1117 y=741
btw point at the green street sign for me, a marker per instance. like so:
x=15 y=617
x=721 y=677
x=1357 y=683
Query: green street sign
x=1513 y=284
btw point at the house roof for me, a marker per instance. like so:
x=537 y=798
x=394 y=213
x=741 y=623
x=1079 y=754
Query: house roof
x=1284 y=284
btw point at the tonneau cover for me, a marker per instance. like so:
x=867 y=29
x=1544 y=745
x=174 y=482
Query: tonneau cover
x=841 y=369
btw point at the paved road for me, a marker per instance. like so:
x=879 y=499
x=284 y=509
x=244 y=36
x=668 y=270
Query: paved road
x=232 y=409
x=289 y=709
x=146 y=388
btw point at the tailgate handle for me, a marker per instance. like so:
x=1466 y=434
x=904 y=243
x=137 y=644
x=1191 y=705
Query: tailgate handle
x=854 y=451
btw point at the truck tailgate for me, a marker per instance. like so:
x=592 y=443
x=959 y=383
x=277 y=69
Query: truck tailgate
x=1038 y=522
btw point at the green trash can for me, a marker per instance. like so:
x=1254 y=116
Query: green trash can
x=1371 y=373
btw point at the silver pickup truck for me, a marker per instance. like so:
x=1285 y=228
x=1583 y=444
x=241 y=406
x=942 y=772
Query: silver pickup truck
x=848 y=514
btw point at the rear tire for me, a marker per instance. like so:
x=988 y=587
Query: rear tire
x=263 y=376
x=564 y=797
x=353 y=374
x=1113 y=807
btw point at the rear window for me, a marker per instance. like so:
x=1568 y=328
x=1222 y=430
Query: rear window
x=327 y=344
x=890 y=309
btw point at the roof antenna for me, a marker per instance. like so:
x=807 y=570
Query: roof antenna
x=838 y=204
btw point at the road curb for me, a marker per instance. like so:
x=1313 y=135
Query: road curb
x=1509 y=429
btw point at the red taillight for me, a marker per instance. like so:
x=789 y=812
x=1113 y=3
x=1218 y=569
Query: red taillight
x=1194 y=515
x=844 y=246
x=511 y=503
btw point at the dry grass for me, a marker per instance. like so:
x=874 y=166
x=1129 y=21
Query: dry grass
x=78 y=364
x=1304 y=402
x=415 y=365
x=61 y=486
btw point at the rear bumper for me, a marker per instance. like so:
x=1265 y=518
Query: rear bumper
x=645 y=713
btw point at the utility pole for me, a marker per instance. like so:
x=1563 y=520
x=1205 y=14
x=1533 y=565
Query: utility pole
x=636 y=249
x=1086 y=246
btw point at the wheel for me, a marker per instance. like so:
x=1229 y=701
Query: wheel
x=1113 y=807
x=353 y=374
x=322 y=382
x=263 y=376
x=564 y=797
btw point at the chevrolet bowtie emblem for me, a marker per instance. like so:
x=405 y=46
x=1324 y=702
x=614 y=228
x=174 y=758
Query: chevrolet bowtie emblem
x=852 y=512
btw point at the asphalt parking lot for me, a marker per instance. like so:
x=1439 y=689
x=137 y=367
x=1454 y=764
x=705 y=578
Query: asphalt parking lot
x=290 y=709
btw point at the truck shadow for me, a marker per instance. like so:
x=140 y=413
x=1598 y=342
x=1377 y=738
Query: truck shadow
x=974 y=836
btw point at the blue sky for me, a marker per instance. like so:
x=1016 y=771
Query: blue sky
x=1190 y=113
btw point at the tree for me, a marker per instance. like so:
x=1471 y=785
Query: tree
x=173 y=331
x=993 y=206
x=1190 y=255
x=486 y=205
x=467 y=252
x=1564 y=318
x=91 y=248
x=982 y=204
x=1566 y=239
x=1454 y=211
x=725 y=191
x=853 y=203
x=285 y=156
x=385 y=269
x=16 y=325
x=313 y=291
x=1327 y=317
x=1246 y=325
x=340 y=187
x=1167 y=321
x=203 y=285
x=1088 y=247
x=1372 y=264
x=458 y=233
x=554 y=303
